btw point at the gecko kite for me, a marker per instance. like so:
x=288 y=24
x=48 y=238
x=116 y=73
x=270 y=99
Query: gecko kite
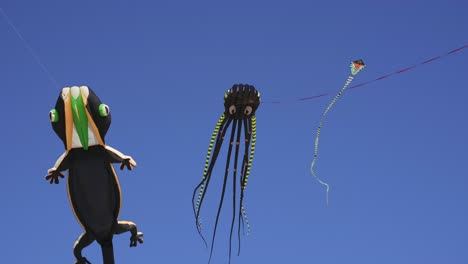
x=240 y=104
x=81 y=121
x=355 y=67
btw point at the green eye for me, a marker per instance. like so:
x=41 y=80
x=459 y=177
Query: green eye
x=104 y=110
x=53 y=116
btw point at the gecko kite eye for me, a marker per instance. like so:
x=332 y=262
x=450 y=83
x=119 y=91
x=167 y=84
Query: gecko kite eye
x=104 y=110
x=53 y=115
x=248 y=110
x=232 y=109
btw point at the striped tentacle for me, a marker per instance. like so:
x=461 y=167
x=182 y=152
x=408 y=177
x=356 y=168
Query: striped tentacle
x=317 y=137
x=252 y=152
x=208 y=158
x=253 y=126
x=218 y=145
x=244 y=214
x=219 y=130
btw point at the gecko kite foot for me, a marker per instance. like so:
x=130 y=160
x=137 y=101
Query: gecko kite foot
x=82 y=261
x=134 y=240
x=53 y=176
x=129 y=163
x=127 y=226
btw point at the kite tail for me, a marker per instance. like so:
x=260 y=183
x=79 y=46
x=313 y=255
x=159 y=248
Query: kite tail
x=107 y=250
x=356 y=67
x=317 y=137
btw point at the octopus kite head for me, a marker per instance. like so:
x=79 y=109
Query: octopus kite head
x=241 y=101
x=79 y=118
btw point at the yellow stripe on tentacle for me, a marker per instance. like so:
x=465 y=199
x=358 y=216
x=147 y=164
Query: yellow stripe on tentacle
x=249 y=165
x=252 y=151
x=208 y=158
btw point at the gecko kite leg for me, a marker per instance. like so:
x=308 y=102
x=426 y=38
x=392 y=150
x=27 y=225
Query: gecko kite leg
x=83 y=241
x=127 y=226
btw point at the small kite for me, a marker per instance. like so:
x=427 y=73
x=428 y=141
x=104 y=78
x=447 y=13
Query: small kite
x=356 y=67
x=240 y=104
x=81 y=121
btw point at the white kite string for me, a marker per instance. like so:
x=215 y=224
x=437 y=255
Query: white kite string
x=28 y=47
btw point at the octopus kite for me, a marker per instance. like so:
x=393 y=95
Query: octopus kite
x=240 y=104
x=81 y=121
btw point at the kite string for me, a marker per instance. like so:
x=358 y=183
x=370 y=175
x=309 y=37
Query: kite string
x=376 y=79
x=317 y=137
x=28 y=47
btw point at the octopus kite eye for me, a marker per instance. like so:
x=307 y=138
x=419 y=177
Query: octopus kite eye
x=53 y=115
x=104 y=110
x=248 y=110
x=232 y=109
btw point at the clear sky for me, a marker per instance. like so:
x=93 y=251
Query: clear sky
x=394 y=151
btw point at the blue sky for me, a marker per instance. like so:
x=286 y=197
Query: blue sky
x=394 y=151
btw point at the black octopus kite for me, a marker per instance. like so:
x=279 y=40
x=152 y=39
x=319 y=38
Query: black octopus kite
x=240 y=104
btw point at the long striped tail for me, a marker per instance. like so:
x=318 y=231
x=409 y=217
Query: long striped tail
x=356 y=67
